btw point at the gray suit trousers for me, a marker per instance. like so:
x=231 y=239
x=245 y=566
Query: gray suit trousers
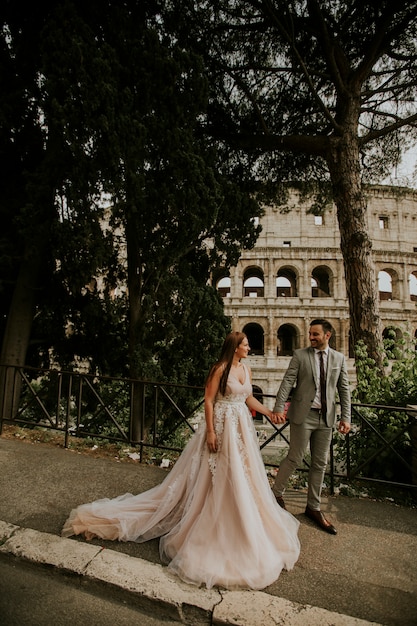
x=315 y=431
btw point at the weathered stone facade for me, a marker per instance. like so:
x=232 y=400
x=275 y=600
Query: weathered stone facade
x=295 y=273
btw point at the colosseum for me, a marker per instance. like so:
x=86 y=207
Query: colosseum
x=295 y=274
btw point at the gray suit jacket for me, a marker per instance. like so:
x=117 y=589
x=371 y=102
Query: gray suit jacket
x=302 y=374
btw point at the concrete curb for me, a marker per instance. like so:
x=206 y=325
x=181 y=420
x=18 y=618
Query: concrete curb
x=150 y=583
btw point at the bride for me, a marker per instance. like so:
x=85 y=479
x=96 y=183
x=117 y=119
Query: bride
x=217 y=517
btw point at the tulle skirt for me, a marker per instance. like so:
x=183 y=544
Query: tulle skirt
x=216 y=515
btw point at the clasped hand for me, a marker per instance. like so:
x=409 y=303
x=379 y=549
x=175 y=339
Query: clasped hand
x=278 y=418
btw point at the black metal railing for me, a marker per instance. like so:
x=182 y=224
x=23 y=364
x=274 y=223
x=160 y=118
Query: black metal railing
x=382 y=446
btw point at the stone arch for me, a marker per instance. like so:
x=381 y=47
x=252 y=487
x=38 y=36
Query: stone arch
x=224 y=286
x=253 y=283
x=384 y=285
x=221 y=281
x=412 y=286
x=287 y=339
x=388 y=285
x=286 y=283
x=321 y=282
x=256 y=338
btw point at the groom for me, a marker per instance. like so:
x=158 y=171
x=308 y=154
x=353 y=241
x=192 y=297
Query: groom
x=317 y=372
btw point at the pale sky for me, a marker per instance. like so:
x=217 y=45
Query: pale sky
x=405 y=174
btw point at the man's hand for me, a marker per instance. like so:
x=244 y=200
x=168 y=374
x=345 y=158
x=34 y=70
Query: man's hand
x=343 y=428
x=278 y=418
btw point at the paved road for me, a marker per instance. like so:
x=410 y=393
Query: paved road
x=34 y=596
x=368 y=571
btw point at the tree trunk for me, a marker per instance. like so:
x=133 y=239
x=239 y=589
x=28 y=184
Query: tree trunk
x=18 y=329
x=361 y=281
x=138 y=427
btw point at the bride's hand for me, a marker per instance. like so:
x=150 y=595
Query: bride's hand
x=211 y=441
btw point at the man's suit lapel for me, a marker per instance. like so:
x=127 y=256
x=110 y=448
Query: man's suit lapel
x=311 y=356
x=329 y=364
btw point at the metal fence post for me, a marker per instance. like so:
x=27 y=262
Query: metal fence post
x=137 y=411
x=412 y=412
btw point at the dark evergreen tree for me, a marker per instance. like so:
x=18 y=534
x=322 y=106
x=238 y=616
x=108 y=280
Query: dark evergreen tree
x=104 y=130
x=315 y=92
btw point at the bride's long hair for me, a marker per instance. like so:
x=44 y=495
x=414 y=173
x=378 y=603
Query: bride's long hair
x=231 y=342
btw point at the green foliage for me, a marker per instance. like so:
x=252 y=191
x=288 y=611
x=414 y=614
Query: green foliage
x=398 y=385
x=167 y=192
x=374 y=426
x=102 y=103
x=184 y=331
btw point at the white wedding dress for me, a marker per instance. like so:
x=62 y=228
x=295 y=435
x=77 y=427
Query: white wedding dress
x=216 y=515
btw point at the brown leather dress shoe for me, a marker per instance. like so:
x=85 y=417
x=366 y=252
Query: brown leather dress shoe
x=281 y=502
x=320 y=520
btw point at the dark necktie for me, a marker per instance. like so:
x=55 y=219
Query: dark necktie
x=323 y=387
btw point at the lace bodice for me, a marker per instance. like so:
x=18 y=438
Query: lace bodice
x=235 y=390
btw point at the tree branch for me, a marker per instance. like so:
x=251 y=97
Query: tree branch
x=269 y=10
x=384 y=36
x=382 y=132
x=314 y=145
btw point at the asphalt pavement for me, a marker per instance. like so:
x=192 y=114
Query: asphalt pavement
x=367 y=573
x=39 y=596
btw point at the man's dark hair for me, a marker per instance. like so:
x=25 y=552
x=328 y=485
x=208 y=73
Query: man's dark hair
x=327 y=327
